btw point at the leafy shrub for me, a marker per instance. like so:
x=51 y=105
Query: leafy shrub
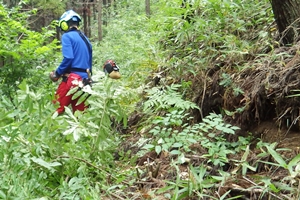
x=204 y=33
x=59 y=157
x=22 y=51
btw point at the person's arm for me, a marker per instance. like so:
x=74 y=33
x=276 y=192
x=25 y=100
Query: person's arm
x=68 y=55
x=64 y=66
x=56 y=74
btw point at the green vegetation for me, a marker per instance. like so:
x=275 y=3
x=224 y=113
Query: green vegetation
x=83 y=156
x=25 y=53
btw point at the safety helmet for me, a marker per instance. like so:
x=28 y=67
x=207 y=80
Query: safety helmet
x=67 y=16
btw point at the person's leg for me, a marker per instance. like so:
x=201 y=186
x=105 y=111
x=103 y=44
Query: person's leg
x=62 y=98
x=73 y=81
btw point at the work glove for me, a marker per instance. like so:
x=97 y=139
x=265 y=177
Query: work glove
x=53 y=76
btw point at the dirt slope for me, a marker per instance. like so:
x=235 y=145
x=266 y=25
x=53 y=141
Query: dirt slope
x=262 y=99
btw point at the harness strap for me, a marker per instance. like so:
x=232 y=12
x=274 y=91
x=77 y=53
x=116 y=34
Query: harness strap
x=77 y=69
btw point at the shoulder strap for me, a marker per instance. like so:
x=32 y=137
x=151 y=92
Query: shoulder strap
x=87 y=44
x=85 y=40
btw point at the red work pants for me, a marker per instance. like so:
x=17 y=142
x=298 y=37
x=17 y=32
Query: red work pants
x=63 y=99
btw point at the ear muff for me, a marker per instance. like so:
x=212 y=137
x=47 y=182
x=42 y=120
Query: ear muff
x=64 y=26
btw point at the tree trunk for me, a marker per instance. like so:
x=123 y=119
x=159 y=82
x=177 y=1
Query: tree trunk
x=147 y=4
x=89 y=21
x=287 y=13
x=100 y=20
x=85 y=21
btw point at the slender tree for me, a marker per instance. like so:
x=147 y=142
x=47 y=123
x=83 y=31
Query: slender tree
x=147 y=4
x=100 y=2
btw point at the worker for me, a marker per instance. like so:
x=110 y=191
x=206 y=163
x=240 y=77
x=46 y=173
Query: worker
x=75 y=68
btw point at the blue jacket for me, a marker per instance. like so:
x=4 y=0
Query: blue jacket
x=77 y=57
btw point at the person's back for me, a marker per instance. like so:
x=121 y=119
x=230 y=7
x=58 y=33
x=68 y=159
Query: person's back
x=75 y=48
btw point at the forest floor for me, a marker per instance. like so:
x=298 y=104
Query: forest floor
x=158 y=168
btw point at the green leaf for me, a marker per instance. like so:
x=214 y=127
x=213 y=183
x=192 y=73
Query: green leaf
x=177 y=145
x=165 y=189
x=273 y=188
x=160 y=141
x=72 y=91
x=277 y=157
x=192 y=140
x=76 y=134
x=70 y=130
x=293 y=163
x=77 y=94
x=175 y=152
x=165 y=147
x=158 y=149
x=212 y=135
x=181 y=158
x=148 y=146
x=2 y=195
x=82 y=98
x=45 y=164
x=295 y=160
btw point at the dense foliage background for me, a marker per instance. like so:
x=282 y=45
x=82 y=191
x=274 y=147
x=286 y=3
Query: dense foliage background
x=83 y=156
